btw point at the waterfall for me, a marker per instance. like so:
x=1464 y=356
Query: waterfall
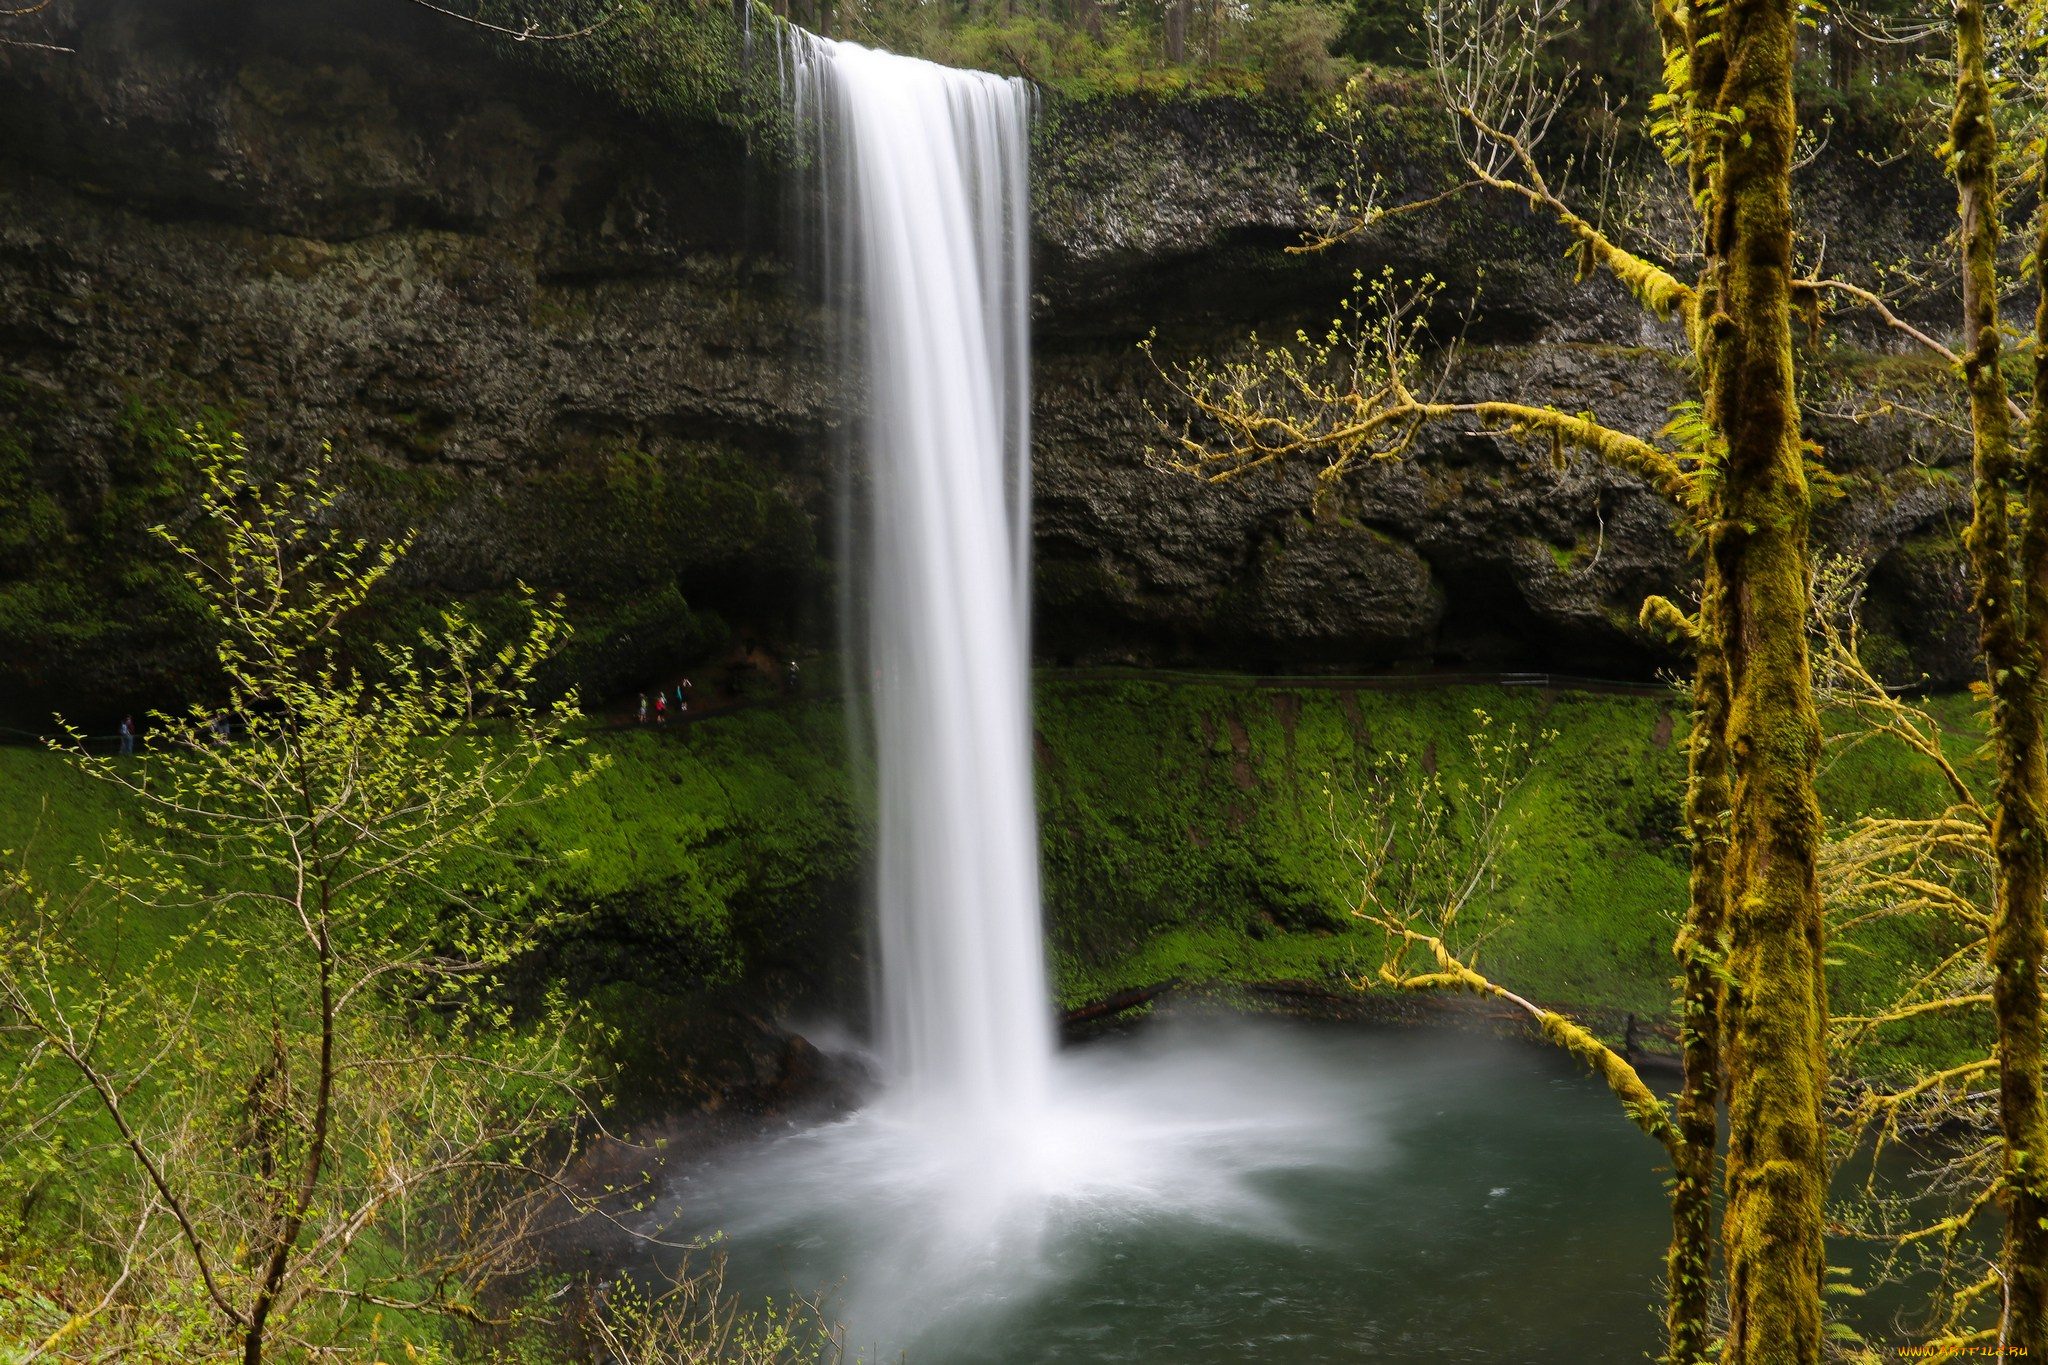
x=986 y=1169
x=923 y=173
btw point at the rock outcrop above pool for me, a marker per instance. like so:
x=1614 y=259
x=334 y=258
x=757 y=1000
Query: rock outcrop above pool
x=567 y=342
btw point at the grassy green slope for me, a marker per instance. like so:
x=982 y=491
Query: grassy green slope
x=1187 y=833
x=49 y=814
x=692 y=828
x=713 y=839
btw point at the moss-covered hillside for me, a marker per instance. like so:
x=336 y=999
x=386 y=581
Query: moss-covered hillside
x=718 y=867
x=1188 y=832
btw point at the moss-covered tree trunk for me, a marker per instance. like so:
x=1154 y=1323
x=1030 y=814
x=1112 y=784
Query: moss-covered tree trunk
x=2010 y=619
x=2018 y=952
x=1774 y=1009
x=1696 y=64
x=1688 y=1265
x=1695 y=68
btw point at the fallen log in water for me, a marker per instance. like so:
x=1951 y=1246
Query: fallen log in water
x=1121 y=1003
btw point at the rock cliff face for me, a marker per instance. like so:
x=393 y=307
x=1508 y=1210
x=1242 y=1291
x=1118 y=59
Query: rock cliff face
x=565 y=342
x=1476 y=552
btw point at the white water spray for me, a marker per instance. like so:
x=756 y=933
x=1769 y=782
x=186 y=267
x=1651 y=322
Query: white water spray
x=931 y=164
x=955 y=1194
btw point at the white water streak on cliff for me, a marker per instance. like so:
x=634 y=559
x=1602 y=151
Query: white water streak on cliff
x=957 y=1195
x=925 y=170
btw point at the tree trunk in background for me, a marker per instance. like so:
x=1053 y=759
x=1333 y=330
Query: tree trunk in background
x=2007 y=629
x=1844 y=54
x=1177 y=14
x=1688 y=1268
x=1689 y=39
x=1775 y=1009
x=2022 y=1107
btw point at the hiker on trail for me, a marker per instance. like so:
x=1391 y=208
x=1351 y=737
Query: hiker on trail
x=792 y=675
x=685 y=690
x=127 y=734
x=643 y=708
x=660 y=708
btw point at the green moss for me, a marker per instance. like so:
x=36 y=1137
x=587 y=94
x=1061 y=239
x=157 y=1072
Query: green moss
x=672 y=62
x=1885 y=655
x=725 y=854
x=635 y=541
x=560 y=310
x=96 y=617
x=50 y=815
x=81 y=578
x=703 y=853
x=1186 y=835
x=1881 y=777
x=1909 y=373
x=695 y=505
x=420 y=489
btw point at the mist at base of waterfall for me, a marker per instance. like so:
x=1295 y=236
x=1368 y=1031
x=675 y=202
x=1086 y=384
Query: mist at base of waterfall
x=1220 y=1191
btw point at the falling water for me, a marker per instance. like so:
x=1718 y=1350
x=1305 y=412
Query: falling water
x=958 y=1194
x=930 y=167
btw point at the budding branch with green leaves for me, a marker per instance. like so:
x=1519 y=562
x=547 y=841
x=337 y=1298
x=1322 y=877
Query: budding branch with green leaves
x=1426 y=847
x=316 y=1090
x=1733 y=462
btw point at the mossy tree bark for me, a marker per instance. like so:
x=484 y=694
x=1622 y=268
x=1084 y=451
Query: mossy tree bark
x=1752 y=994
x=2012 y=618
x=1688 y=1268
x=2018 y=952
x=1695 y=66
x=1775 y=1007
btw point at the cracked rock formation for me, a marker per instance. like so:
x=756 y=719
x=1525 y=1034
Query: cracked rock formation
x=568 y=343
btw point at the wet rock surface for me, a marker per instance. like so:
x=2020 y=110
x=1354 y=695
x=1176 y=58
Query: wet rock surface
x=569 y=345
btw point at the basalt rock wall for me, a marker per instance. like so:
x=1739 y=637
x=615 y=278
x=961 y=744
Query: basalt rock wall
x=565 y=341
